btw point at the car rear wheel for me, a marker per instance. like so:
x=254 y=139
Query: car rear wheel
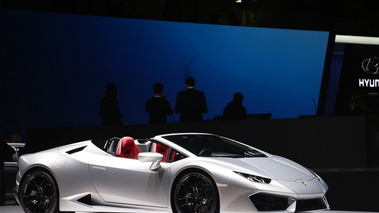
x=195 y=192
x=39 y=193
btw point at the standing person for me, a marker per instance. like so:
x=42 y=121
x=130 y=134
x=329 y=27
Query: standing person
x=235 y=110
x=158 y=107
x=109 y=112
x=191 y=103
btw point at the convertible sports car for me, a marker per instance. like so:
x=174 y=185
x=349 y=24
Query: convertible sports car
x=181 y=173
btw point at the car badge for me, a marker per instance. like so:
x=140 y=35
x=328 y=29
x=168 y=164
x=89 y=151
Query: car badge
x=304 y=183
x=371 y=65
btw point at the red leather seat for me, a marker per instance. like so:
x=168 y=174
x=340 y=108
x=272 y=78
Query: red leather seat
x=127 y=148
x=160 y=149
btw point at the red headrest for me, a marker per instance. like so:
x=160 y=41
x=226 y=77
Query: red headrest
x=127 y=148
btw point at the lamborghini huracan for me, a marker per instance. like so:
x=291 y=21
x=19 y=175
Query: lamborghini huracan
x=179 y=172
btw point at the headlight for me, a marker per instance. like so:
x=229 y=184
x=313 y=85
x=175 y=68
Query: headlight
x=254 y=178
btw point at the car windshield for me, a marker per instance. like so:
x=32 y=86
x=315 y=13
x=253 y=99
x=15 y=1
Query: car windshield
x=213 y=146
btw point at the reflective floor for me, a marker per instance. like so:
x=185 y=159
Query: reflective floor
x=11 y=209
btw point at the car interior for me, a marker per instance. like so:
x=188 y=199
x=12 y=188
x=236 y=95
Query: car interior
x=127 y=147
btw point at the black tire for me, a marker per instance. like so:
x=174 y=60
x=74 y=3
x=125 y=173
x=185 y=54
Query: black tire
x=39 y=193
x=195 y=192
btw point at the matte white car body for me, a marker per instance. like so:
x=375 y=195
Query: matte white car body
x=90 y=179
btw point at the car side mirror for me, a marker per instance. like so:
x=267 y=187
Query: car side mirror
x=153 y=157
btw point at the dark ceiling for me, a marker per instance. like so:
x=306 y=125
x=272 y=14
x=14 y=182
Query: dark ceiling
x=339 y=16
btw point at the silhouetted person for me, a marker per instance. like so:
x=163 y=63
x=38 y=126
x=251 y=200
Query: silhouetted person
x=6 y=153
x=109 y=111
x=235 y=110
x=158 y=107
x=190 y=103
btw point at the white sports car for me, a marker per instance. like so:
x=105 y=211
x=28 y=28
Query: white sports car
x=181 y=172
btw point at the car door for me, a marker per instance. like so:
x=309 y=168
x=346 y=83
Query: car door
x=130 y=181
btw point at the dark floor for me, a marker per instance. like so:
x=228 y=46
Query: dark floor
x=352 y=189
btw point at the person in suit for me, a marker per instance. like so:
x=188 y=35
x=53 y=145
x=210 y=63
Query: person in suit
x=191 y=103
x=158 y=107
x=108 y=110
x=235 y=110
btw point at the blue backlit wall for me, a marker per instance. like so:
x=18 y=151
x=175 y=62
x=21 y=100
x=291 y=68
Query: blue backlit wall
x=55 y=67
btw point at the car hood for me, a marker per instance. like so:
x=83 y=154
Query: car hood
x=273 y=167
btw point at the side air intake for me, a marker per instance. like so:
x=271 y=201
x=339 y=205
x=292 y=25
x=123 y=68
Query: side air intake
x=76 y=150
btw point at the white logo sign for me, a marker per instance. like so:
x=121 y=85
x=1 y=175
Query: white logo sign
x=371 y=65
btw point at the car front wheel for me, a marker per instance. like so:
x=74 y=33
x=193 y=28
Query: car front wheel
x=39 y=193
x=195 y=192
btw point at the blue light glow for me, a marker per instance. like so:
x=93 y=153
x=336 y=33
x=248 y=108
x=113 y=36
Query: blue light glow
x=57 y=65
